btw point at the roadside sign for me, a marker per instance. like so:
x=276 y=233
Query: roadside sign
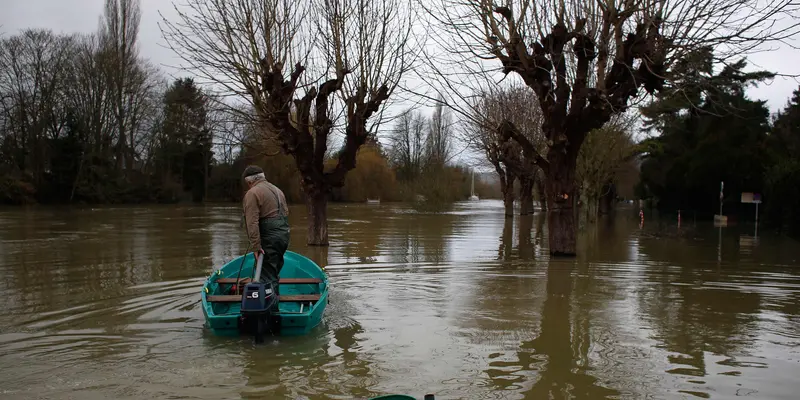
x=748 y=197
x=752 y=198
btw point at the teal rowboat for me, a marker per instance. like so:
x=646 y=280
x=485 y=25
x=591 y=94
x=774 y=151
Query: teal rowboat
x=303 y=295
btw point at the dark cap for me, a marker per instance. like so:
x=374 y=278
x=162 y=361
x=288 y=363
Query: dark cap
x=252 y=170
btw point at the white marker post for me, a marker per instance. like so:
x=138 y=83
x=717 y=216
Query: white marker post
x=720 y=219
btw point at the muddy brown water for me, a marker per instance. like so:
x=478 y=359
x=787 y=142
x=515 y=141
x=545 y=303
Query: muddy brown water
x=102 y=303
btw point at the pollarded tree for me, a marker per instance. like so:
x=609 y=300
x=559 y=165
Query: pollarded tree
x=309 y=69
x=495 y=112
x=587 y=61
x=484 y=138
x=513 y=116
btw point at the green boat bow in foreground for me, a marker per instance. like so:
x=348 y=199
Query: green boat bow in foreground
x=303 y=295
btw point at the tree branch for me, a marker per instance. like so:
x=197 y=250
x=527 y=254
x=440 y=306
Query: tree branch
x=508 y=131
x=358 y=112
x=322 y=123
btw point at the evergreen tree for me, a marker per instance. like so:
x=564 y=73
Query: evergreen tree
x=709 y=133
x=185 y=154
x=782 y=179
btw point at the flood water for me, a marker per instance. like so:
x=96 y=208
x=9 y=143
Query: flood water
x=102 y=303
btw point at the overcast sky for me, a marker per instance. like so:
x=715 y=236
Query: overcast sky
x=83 y=16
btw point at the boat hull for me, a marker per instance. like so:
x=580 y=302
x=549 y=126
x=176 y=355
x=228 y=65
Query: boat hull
x=297 y=317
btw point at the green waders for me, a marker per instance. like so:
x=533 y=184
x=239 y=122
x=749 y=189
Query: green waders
x=274 y=234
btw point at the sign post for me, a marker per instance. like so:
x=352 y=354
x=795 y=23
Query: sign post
x=757 y=200
x=752 y=198
x=720 y=219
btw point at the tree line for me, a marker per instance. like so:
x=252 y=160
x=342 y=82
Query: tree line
x=586 y=64
x=296 y=74
x=417 y=163
x=605 y=167
x=85 y=119
x=711 y=132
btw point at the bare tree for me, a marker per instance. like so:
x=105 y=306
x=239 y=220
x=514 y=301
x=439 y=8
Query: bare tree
x=615 y=48
x=89 y=99
x=517 y=117
x=497 y=112
x=344 y=59
x=89 y=94
x=229 y=128
x=118 y=33
x=604 y=152
x=407 y=144
x=144 y=104
x=485 y=137
x=440 y=134
x=92 y=96
x=33 y=67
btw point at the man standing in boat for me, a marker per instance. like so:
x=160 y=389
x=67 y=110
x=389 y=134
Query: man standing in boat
x=265 y=214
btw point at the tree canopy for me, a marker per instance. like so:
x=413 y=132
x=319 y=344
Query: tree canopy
x=710 y=132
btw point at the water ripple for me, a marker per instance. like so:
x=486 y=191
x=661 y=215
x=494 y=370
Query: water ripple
x=463 y=303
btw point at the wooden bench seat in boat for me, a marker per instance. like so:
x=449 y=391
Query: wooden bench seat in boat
x=237 y=298
x=284 y=281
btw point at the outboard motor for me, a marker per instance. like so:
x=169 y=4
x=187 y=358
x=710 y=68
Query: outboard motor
x=259 y=308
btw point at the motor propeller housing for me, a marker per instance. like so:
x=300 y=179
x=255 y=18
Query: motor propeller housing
x=259 y=312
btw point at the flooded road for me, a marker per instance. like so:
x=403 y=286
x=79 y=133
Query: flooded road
x=103 y=303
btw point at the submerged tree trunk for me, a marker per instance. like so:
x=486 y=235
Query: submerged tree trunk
x=317 y=207
x=506 y=241
x=538 y=239
x=561 y=198
x=588 y=208
x=526 y=196
x=538 y=184
x=508 y=202
x=607 y=199
x=507 y=187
